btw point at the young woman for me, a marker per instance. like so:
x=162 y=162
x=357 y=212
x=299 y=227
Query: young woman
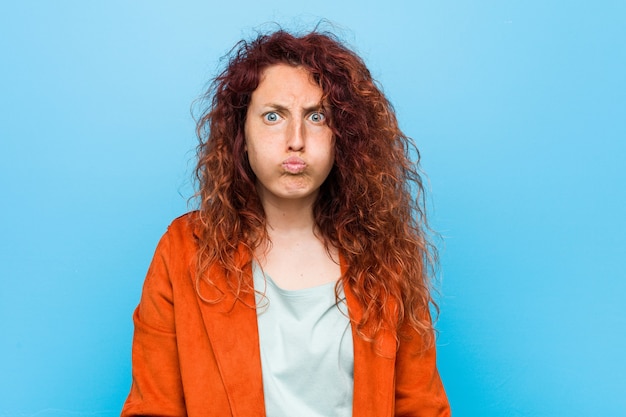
x=301 y=285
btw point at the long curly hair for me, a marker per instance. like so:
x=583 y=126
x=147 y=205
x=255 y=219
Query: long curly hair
x=371 y=207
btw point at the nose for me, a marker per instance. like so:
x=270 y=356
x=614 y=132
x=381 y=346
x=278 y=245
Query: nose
x=296 y=136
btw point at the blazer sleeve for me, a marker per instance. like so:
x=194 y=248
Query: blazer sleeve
x=419 y=390
x=156 y=388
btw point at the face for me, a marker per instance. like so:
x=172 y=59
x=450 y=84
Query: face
x=289 y=143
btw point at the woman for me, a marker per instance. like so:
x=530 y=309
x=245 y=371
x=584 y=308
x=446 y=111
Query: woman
x=300 y=287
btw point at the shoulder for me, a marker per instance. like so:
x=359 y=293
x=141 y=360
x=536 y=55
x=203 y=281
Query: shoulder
x=185 y=225
x=179 y=242
x=182 y=232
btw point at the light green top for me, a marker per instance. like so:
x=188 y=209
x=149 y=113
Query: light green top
x=306 y=350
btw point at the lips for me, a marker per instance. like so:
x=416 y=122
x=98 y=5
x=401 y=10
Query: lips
x=294 y=165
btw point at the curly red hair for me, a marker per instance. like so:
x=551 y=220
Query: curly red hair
x=371 y=206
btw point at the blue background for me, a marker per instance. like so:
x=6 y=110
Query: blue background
x=519 y=109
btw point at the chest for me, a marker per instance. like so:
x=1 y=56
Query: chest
x=296 y=264
x=305 y=348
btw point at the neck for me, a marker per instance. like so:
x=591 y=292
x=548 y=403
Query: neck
x=286 y=216
x=291 y=216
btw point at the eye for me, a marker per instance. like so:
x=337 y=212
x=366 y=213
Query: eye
x=271 y=117
x=317 y=117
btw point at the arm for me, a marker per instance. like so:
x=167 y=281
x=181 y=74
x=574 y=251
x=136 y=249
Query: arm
x=156 y=387
x=419 y=390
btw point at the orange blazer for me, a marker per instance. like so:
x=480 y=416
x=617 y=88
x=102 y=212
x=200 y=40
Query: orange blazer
x=195 y=358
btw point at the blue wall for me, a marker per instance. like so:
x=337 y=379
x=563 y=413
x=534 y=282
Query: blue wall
x=519 y=109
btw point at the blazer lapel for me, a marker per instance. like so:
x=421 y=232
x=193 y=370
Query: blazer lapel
x=374 y=365
x=232 y=328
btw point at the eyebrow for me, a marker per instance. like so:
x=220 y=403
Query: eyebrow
x=281 y=108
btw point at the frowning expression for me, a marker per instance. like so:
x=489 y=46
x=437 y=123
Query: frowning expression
x=289 y=143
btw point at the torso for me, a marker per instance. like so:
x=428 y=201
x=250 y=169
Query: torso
x=306 y=347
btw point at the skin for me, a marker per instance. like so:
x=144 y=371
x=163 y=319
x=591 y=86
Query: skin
x=291 y=151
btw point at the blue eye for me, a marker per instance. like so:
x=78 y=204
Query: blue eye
x=317 y=117
x=271 y=116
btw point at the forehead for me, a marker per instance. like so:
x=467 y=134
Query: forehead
x=286 y=82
